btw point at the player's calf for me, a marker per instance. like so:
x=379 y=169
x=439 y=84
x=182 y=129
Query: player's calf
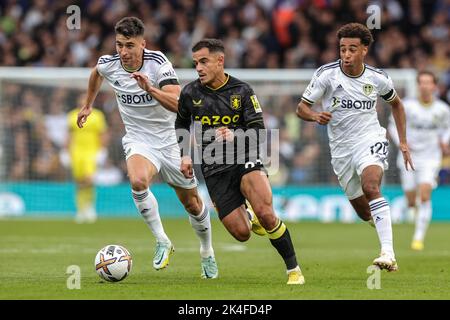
x=266 y=216
x=281 y=240
x=255 y=224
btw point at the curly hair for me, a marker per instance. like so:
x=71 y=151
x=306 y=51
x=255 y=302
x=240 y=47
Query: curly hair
x=356 y=30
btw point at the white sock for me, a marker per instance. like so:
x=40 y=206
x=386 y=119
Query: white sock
x=423 y=220
x=147 y=205
x=411 y=214
x=381 y=214
x=202 y=227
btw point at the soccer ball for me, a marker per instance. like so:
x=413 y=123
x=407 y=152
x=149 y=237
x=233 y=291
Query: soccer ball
x=113 y=263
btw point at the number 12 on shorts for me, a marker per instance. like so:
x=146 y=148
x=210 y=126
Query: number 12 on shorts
x=380 y=148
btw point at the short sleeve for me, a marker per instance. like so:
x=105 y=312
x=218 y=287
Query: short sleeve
x=165 y=74
x=316 y=88
x=252 y=111
x=387 y=91
x=103 y=62
x=183 y=108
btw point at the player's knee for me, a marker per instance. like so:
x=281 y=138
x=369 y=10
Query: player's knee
x=193 y=206
x=266 y=216
x=242 y=236
x=139 y=183
x=425 y=197
x=241 y=233
x=371 y=190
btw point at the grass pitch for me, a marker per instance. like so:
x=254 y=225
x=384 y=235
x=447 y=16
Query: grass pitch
x=35 y=255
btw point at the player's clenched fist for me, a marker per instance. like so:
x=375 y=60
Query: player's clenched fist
x=142 y=80
x=224 y=134
x=82 y=116
x=406 y=156
x=322 y=117
x=186 y=167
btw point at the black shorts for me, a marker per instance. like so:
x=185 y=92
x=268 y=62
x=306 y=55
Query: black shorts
x=224 y=188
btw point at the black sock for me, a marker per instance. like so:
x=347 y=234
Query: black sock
x=281 y=240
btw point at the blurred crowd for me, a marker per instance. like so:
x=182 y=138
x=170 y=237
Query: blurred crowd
x=256 y=33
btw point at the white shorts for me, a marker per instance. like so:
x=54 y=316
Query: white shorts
x=167 y=161
x=426 y=172
x=349 y=163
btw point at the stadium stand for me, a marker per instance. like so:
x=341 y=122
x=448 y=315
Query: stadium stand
x=257 y=34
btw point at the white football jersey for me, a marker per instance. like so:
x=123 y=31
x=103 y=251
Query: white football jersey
x=352 y=101
x=144 y=118
x=426 y=127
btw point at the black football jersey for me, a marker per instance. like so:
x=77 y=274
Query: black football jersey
x=233 y=105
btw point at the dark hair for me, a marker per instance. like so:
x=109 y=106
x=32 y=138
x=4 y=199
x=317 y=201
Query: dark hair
x=214 y=45
x=428 y=73
x=356 y=30
x=130 y=27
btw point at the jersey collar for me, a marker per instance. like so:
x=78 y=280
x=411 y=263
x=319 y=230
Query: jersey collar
x=140 y=67
x=426 y=104
x=349 y=75
x=222 y=85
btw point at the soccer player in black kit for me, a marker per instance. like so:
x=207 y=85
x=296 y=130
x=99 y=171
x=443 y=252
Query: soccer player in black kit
x=229 y=109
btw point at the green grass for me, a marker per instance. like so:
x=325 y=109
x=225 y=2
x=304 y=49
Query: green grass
x=34 y=256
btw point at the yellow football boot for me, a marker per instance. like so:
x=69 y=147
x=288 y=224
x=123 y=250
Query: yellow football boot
x=295 y=276
x=417 y=245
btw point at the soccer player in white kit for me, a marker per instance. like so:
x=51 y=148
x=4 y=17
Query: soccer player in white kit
x=147 y=90
x=349 y=90
x=428 y=133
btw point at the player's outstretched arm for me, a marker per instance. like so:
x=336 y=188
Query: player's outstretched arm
x=305 y=112
x=95 y=82
x=167 y=96
x=392 y=130
x=398 y=112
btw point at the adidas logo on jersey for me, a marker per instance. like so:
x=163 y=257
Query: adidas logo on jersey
x=339 y=87
x=116 y=83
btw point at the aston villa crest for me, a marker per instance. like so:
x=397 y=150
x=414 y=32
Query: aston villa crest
x=235 y=101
